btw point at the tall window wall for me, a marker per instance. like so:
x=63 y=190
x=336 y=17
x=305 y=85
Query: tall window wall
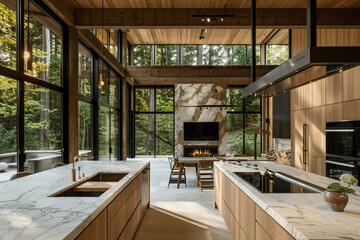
x=190 y=55
x=85 y=101
x=241 y=122
x=99 y=107
x=154 y=121
x=31 y=84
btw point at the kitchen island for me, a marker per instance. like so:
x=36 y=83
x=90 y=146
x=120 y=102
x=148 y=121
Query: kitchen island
x=29 y=209
x=251 y=214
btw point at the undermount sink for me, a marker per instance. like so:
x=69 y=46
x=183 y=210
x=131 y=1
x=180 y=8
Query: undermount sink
x=107 y=177
x=94 y=186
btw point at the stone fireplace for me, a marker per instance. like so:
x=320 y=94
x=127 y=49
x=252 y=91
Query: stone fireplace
x=191 y=150
x=188 y=95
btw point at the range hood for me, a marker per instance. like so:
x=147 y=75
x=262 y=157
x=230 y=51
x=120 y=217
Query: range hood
x=312 y=64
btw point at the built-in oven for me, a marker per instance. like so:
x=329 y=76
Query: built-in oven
x=342 y=148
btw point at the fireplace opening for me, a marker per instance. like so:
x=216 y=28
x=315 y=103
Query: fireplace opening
x=190 y=151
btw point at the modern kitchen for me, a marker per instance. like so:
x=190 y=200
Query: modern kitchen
x=180 y=119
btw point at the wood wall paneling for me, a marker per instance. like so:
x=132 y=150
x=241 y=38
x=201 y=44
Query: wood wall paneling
x=334 y=112
x=352 y=110
x=316 y=137
x=334 y=89
x=351 y=84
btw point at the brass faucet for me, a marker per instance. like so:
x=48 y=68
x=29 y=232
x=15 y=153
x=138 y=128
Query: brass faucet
x=76 y=158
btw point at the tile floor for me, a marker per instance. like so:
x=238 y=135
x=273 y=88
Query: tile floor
x=185 y=213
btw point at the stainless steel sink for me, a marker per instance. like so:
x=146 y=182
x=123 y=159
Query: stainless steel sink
x=107 y=177
x=76 y=191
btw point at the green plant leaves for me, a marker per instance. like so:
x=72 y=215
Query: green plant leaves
x=336 y=186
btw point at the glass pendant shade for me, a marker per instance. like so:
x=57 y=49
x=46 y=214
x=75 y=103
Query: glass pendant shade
x=28 y=54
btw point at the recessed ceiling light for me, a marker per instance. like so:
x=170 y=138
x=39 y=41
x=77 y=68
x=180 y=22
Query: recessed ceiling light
x=208 y=19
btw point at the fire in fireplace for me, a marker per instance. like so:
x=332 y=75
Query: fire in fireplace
x=190 y=151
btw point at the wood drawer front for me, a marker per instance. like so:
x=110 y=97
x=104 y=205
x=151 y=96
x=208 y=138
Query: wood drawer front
x=133 y=186
x=116 y=205
x=119 y=201
x=132 y=225
x=269 y=225
x=234 y=227
x=261 y=234
x=97 y=230
x=242 y=207
x=217 y=178
x=217 y=198
x=119 y=221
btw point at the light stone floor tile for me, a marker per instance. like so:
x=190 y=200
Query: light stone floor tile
x=185 y=213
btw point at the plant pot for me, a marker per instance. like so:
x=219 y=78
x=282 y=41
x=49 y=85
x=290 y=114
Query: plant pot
x=336 y=200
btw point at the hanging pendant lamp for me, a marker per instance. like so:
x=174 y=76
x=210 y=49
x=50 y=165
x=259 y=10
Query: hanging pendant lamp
x=102 y=75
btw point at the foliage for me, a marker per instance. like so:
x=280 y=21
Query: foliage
x=154 y=121
x=345 y=178
x=216 y=55
x=43 y=123
x=276 y=54
x=242 y=124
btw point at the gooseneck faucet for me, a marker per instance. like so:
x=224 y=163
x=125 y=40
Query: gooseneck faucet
x=76 y=158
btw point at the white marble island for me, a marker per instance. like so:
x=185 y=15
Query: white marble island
x=27 y=211
x=301 y=215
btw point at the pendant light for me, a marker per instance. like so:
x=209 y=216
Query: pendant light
x=28 y=44
x=102 y=75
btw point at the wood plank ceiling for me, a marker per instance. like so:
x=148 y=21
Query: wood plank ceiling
x=213 y=36
x=213 y=4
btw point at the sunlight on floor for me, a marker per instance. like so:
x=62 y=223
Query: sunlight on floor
x=185 y=213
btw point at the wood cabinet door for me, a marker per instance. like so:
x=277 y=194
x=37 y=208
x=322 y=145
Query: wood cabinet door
x=316 y=139
x=298 y=121
x=97 y=230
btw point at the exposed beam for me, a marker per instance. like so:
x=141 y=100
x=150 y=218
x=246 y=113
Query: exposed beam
x=167 y=75
x=93 y=42
x=183 y=18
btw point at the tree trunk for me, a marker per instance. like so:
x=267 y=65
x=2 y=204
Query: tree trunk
x=45 y=96
x=150 y=137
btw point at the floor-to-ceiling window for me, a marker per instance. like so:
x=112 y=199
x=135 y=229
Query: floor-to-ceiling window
x=31 y=84
x=243 y=119
x=154 y=121
x=109 y=113
x=85 y=101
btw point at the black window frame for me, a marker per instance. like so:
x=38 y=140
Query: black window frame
x=244 y=113
x=155 y=112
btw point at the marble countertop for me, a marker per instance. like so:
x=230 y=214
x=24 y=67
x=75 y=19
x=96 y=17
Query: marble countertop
x=27 y=211
x=303 y=215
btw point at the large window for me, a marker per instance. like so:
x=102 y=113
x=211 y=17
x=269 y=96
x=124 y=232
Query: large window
x=45 y=46
x=243 y=119
x=85 y=101
x=213 y=55
x=276 y=54
x=8 y=34
x=111 y=40
x=109 y=113
x=167 y=55
x=142 y=55
x=154 y=121
x=31 y=107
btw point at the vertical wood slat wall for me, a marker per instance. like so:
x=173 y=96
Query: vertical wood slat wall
x=331 y=99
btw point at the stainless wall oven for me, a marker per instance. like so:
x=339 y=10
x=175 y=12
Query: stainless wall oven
x=342 y=148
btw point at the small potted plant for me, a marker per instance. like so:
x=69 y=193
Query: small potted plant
x=336 y=195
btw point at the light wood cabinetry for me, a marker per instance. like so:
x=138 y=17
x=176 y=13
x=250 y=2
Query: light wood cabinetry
x=97 y=230
x=120 y=219
x=351 y=87
x=240 y=213
x=334 y=89
x=270 y=226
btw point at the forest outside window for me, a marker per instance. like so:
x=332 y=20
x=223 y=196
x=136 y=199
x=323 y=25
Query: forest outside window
x=154 y=121
x=241 y=121
x=46 y=45
x=8 y=34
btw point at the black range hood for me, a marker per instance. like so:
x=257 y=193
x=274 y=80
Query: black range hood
x=312 y=64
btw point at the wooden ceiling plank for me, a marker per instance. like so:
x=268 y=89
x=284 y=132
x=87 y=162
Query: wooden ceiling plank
x=183 y=18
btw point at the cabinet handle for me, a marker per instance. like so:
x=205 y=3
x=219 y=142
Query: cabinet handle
x=304 y=144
